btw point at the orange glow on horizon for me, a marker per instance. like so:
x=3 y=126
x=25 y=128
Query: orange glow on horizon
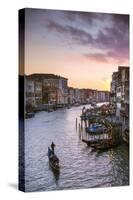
x=81 y=72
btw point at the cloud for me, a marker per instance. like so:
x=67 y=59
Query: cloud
x=76 y=33
x=121 y=20
x=97 y=57
x=88 y=17
x=112 y=34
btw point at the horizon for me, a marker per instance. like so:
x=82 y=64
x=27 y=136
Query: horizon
x=69 y=85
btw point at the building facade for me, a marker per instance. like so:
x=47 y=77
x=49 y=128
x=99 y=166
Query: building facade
x=71 y=95
x=113 y=87
x=120 y=91
x=29 y=94
x=38 y=92
x=46 y=89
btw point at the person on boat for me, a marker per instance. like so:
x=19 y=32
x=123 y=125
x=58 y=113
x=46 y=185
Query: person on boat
x=83 y=110
x=52 y=147
x=55 y=159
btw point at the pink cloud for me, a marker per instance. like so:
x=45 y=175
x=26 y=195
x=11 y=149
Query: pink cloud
x=97 y=57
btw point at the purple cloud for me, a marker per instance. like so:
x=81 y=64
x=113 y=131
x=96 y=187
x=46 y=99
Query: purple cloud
x=77 y=34
x=112 y=35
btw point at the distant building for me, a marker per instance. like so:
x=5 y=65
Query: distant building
x=107 y=96
x=102 y=96
x=77 y=95
x=97 y=96
x=71 y=95
x=83 y=96
x=90 y=96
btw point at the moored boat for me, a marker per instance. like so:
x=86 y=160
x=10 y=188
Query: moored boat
x=68 y=106
x=96 y=128
x=125 y=136
x=29 y=115
x=93 y=104
x=105 y=144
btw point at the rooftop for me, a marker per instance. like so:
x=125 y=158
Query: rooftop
x=123 y=67
x=46 y=76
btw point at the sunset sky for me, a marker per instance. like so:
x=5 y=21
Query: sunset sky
x=84 y=47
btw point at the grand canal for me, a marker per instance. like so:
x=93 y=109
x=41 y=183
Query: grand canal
x=81 y=167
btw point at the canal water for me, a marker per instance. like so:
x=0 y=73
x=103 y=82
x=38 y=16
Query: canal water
x=81 y=166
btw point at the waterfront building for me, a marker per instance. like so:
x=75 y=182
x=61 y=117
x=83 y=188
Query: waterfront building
x=120 y=91
x=77 y=95
x=49 y=89
x=71 y=95
x=63 y=88
x=97 y=96
x=113 y=87
x=90 y=95
x=38 y=93
x=107 y=96
x=83 y=96
x=54 y=88
x=123 y=89
x=29 y=94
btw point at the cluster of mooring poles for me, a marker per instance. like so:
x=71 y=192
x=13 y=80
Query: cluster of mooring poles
x=80 y=127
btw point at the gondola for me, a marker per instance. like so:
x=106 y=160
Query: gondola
x=53 y=160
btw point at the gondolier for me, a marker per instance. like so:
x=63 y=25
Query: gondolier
x=52 y=147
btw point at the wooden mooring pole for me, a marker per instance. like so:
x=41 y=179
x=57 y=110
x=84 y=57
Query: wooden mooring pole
x=85 y=123
x=79 y=130
x=81 y=125
x=76 y=123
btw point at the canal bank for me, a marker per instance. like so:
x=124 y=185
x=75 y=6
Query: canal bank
x=81 y=167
